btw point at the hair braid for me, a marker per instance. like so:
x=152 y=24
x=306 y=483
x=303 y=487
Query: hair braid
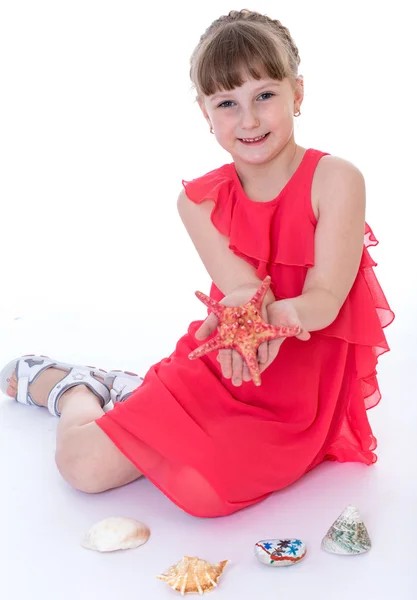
x=242 y=38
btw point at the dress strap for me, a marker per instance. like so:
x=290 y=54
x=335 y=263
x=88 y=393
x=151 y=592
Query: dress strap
x=310 y=164
x=305 y=182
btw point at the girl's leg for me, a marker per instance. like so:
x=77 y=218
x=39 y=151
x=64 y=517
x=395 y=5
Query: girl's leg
x=86 y=458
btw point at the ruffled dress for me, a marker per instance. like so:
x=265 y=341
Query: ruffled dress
x=214 y=448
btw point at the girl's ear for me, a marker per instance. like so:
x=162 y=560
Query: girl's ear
x=299 y=91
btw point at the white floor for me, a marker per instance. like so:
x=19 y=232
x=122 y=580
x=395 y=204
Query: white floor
x=44 y=519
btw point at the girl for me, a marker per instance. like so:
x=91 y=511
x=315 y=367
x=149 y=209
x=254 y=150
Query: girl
x=201 y=430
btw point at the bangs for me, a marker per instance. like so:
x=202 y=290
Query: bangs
x=236 y=52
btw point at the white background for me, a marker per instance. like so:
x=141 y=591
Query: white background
x=98 y=126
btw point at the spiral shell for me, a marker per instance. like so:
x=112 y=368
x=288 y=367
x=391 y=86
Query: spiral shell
x=193 y=575
x=348 y=534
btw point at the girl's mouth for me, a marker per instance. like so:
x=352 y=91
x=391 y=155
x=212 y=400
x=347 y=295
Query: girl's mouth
x=254 y=141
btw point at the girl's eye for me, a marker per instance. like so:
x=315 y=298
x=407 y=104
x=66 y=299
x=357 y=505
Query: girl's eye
x=265 y=95
x=226 y=104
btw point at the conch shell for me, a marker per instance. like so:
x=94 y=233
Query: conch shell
x=348 y=534
x=116 y=533
x=193 y=575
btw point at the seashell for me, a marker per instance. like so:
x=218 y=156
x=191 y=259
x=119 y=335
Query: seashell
x=348 y=534
x=193 y=575
x=280 y=553
x=116 y=533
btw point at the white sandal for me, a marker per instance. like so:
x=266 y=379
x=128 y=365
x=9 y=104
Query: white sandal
x=122 y=384
x=30 y=366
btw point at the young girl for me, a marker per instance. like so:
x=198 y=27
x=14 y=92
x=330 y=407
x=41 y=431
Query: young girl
x=201 y=430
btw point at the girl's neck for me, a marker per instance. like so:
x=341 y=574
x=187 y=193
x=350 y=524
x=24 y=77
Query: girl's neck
x=263 y=183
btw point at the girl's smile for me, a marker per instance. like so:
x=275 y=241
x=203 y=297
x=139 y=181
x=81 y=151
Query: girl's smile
x=255 y=141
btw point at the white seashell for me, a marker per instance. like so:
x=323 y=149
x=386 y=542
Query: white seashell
x=116 y=533
x=348 y=534
x=193 y=575
x=280 y=552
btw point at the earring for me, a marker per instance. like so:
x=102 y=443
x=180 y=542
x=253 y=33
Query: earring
x=297 y=114
x=211 y=130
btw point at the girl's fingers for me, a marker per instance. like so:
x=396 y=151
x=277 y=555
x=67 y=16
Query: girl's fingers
x=273 y=349
x=225 y=359
x=246 y=374
x=207 y=327
x=237 y=366
x=304 y=335
x=263 y=353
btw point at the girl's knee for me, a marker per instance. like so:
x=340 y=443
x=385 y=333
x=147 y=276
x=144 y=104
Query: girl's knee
x=79 y=461
x=78 y=471
x=89 y=461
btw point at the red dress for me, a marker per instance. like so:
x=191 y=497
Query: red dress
x=214 y=448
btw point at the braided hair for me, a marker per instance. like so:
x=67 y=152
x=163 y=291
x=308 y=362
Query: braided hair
x=239 y=44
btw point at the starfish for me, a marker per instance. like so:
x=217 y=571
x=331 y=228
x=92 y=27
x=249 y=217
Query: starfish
x=243 y=329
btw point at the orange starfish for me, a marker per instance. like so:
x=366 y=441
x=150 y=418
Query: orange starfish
x=243 y=329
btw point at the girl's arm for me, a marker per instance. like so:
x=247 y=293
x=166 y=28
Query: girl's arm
x=338 y=243
x=227 y=270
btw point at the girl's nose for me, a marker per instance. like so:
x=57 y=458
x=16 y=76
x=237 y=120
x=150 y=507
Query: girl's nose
x=249 y=119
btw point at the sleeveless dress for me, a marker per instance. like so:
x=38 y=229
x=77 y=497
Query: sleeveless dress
x=214 y=448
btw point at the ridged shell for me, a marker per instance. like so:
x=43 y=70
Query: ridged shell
x=116 y=533
x=193 y=575
x=348 y=534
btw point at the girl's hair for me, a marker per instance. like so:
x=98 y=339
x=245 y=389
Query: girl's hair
x=242 y=43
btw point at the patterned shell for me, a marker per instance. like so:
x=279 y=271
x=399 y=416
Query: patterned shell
x=348 y=534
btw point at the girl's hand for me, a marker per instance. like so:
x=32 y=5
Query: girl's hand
x=281 y=313
x=232 y=364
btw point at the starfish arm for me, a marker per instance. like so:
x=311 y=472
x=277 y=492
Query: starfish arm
x=259 y=296
x=287 y=331
x=215 y=344
x=250 y=358
x=271 y=332
x=261 y=332
x=215 y=306
x=266 y=336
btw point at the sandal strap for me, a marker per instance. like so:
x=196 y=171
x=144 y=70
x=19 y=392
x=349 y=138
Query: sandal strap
x=77 y=376
x=123 y=386
x=28 y=370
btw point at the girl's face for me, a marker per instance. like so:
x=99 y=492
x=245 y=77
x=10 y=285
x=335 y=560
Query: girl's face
x=253 y=122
